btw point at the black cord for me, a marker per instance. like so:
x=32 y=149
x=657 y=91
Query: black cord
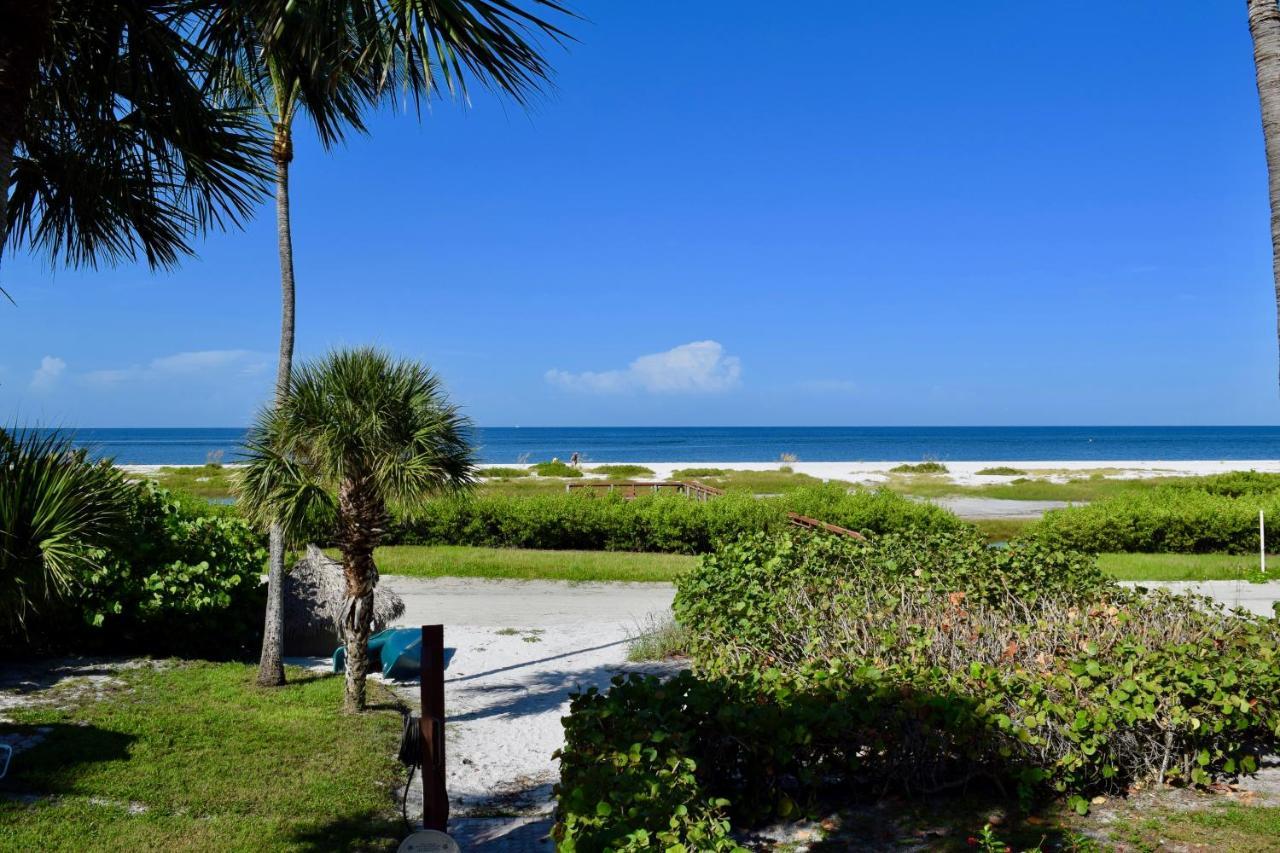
x=410 y=755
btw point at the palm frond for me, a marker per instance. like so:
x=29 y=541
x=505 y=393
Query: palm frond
x=356 y=419
x=123 y=152
x=56 y=510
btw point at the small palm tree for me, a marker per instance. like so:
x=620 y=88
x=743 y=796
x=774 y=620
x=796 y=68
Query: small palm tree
x=57 y=510
x=357 y=432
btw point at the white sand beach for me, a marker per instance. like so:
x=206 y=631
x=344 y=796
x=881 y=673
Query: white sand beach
x=966 y=473
x=963 y=473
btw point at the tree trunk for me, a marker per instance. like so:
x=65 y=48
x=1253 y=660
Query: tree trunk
x=271 y=665
x=361 y=515
x=1264 y=26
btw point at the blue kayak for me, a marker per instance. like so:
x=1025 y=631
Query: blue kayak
x=397 y=650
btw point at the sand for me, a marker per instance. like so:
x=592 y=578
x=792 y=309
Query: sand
x=521 y=648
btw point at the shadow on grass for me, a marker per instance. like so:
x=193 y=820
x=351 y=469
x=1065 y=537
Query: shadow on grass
x=51 y=766
x=365 y=830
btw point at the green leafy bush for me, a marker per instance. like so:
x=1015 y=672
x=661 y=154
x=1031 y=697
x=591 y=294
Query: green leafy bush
x=668 y=523
x=1170 y=518
x=622 y=472
x=825 y=667
x=555 y=468
x=184 y=579
x=1002 y=471
x=920 y=468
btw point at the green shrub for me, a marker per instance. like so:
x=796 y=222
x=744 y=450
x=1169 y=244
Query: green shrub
x=825 y=667
x=668 y=523
x=1003 y=471
x=184 y=580
x=1169 y=518
x=920 y=468
x=555 y=468
x=623 y=472
x=502 y=473
x=695 y=473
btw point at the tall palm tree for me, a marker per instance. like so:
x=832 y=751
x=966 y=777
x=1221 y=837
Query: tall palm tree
x=111 y=144
x=333 y=61
x=1264 y=27
x=356 y=432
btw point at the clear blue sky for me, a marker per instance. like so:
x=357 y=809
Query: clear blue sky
x=857 y=212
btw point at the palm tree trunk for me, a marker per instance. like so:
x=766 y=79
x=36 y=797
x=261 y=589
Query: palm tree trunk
x=271 y=664
x=1264 y=26
x=360 y=520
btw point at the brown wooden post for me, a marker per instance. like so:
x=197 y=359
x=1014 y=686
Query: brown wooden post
x=435 y=799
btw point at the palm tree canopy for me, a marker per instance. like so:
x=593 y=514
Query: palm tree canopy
x=120 y=150
x=334 y=58
x=355 y=417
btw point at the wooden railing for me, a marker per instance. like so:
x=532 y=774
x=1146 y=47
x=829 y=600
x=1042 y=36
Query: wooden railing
x=634 y=488
x=808 y=523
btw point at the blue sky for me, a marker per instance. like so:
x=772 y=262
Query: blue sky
x=855 y=213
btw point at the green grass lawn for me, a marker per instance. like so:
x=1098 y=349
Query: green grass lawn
x=1185 y=567
x=195 y=757
x=434 y=561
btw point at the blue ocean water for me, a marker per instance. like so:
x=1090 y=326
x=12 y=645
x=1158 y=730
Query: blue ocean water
x=760 y=444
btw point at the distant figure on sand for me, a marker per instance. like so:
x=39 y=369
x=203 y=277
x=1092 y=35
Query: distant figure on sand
x=573 y=460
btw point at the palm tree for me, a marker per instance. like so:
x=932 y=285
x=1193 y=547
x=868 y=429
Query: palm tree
x=356 y=432
x=111 y=144
x=332 y=61
x=57 y=510
x=1264 y=27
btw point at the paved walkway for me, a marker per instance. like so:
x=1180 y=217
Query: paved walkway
x=1254 y=597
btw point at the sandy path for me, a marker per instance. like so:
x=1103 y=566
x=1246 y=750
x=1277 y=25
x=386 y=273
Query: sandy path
x=521 y=648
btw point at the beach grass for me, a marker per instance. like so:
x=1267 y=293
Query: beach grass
x=194 y=756
x=436 y=561
x=751 y=482
x=203 y=481
x=622 y=471
x=1031 y=488
x=1184 y=567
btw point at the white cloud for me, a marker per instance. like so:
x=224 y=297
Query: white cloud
x=46 y=375
x=239 y=361
x=695 y=368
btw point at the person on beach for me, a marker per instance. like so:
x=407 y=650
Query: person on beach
x=573 y=460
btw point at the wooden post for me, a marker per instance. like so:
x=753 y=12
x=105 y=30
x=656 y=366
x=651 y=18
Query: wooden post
x=1262 y=542
x=435 y=799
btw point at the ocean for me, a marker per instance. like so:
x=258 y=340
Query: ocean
x=758 y=444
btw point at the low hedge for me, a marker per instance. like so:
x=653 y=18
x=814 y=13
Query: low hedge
x=184 y=578
x=1214 y=517
x=667 y=523
x=826 y=670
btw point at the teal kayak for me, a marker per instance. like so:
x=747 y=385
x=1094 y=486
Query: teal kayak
x=398 y=651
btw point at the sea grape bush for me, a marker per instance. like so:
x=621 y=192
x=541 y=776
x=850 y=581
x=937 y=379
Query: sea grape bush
x=667 y=523
x=1223 y=517
x=185 y=579
x=824 y=668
